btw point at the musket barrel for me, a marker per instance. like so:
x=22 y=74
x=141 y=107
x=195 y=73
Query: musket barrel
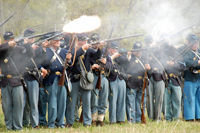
x=39 y=35
x=116 y=39
x=178 y=32
x=7 y=19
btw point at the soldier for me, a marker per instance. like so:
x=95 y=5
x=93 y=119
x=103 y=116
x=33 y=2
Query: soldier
x=156 y=82
x=173 y=93
x=87 y=53
x=99 y=106
x=117 y=87
x=13 y=66
x=136 y=70
x=43 y=95
x=57 y=96
x=191 y=75
x=181 y=48
x=32 y=76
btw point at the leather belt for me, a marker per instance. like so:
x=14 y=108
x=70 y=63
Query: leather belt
x=10 y=76
x=173 y=75
x=194 y=71
x=156 y=70
x=30 y=69
x=97 y=70
x=55 y=73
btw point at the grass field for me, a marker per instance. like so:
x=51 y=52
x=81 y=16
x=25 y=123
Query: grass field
x=151 y=126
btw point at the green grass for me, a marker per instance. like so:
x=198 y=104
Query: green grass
x=151 y=126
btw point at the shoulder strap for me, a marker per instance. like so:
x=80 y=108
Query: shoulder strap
x=140 y=63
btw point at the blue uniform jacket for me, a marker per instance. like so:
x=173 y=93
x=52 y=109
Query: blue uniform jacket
x=191 y=64
x=90 y=53
x=18 y=55
x=40 y=57
x=55 y=66
x=178 y=67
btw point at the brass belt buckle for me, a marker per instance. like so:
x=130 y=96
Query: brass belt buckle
x=82 y=56
x=139 y=77
x=155 y=69
x=198 y=71
x=9 y=76
x=57 y=73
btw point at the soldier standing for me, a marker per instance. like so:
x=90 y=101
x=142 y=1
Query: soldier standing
x=117 y=90
x=31 y=75
x=156 y=81
x=86 y=53
x=136 y=69
x=57 y=96
x=13 y=66
x=173 y=92
x=99 y=106
x=191 y=75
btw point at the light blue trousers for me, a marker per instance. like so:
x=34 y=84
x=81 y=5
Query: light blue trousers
x=33 y=91
x=117 y=104
x=12 y=104
x=156 y=91
x=42 y=106
x=56 y=99
x=86 y=103
x=172 y=102
x=133 y=102
x=100 y=104
x=192 y=103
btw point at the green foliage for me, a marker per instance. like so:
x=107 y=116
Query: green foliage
x=130 y=16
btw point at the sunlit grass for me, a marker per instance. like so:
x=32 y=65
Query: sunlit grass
x=151 y=126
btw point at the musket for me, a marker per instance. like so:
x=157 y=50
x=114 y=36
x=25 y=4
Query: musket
x=136 y=50
x=178 y=32
x=7 y=19
x=98 y=85
x=62 y=78
x=39 y=35
x=48 y=39
x=116 y=39
x=143 y=119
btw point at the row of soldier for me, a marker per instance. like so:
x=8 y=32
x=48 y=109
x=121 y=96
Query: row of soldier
x=121 y=81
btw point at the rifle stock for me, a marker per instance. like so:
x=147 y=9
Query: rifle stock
x=143 y=119
x=62 y=78
x=98 y=85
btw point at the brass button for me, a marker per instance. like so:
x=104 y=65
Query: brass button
x=56 y=66
x=9 y=76
x=57 y=73
x=139 y=77
x=8 y=66
x=6 y=61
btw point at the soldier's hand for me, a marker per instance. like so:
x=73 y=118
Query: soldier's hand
x=170 y=63
x=44 y=72
x=35 y=47
x=45 y=44
x=147 y=66
x=198 y=61
x=86 y=46
x=26 y=40
x=103 y=60
x=101 y=44
x=12 y=43
x=68 y=56
x=95 y=66
x=115 y=55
